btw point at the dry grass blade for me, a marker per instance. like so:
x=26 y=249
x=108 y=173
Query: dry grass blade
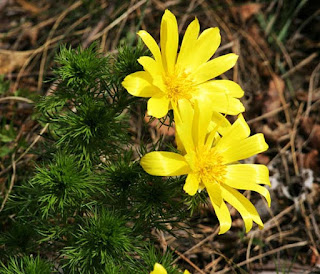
x=13 y=178
x=27 y=150
x=55 y=26
x=16 y=98
x=119 y=19
x=303 y=63
x=293 y=136
x=209 y=238
x=311 y=88
x=273 y=251
x=268 y=114
x=181 y=256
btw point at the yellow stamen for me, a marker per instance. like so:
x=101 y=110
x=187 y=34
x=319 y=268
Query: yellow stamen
x=178 y=86
x=208 y=166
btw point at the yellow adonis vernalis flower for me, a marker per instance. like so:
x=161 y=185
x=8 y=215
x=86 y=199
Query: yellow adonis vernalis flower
x=210 y=159
x=159 y=269
x=169 y=76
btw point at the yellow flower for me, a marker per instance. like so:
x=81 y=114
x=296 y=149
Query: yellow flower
x=159 y=269
x=210 y=158
x=169 y=77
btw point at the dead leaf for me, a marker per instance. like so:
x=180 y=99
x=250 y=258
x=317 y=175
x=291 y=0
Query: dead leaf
x=303 y=96
x=309 y=160
x=307 y=124
x=256 y=34
x=238 y=223
x=32 y=34
x=315 y=137
x=272 y=102
x=312 y=160
x=262 y=159
x=276 y=134
x=11 y=60
x=206 y=229
x=246 y=11
x=312 y=130
x=315 y=257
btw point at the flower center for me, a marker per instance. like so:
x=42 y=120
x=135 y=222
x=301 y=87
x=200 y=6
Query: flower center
x=178 y=86
x=208 y=166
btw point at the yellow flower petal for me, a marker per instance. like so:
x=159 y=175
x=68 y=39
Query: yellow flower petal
x=158 y=106
x=242 y=149
x=220 y=121
x=221 y=102
x=140 y=84
x=251 y=173
x=201 y=120
x=249 y=177
x=214 y=68
x=212 y=138
x=186 y=272
x=223 y=216
x=151 y=44
x=164 y=164
x=206 y=45
x=150 y=65
x=169 y=40
x=191 y=185
x=188 y=43
x=157 y=81
x=180 y=145
x=214 y=192
x=243 y=205
x=224 y=86
x=219 y=124
x=158 y=269
x=239 y=130
x=183 y=119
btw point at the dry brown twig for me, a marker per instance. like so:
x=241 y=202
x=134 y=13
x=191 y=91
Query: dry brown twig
x=292 y=139
x=118 y=20
x=268 y=114
x=300 y=65
x=272 y=73
x=32 y=55
x=120 y=28
x=13 y=177
x=51 y=33
x=283 y=234
x=311 y=88
x=209 y=238
x=211 y=266
x=249 y=249
x=47 y=44
x=15 y=162
x=184 y=18
x=308 y=225
x=268 y=253
x=16 y=98
x=181 y=256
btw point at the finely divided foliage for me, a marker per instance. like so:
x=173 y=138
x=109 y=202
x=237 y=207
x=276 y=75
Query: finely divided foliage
x=26 y=265
x=88 y=208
